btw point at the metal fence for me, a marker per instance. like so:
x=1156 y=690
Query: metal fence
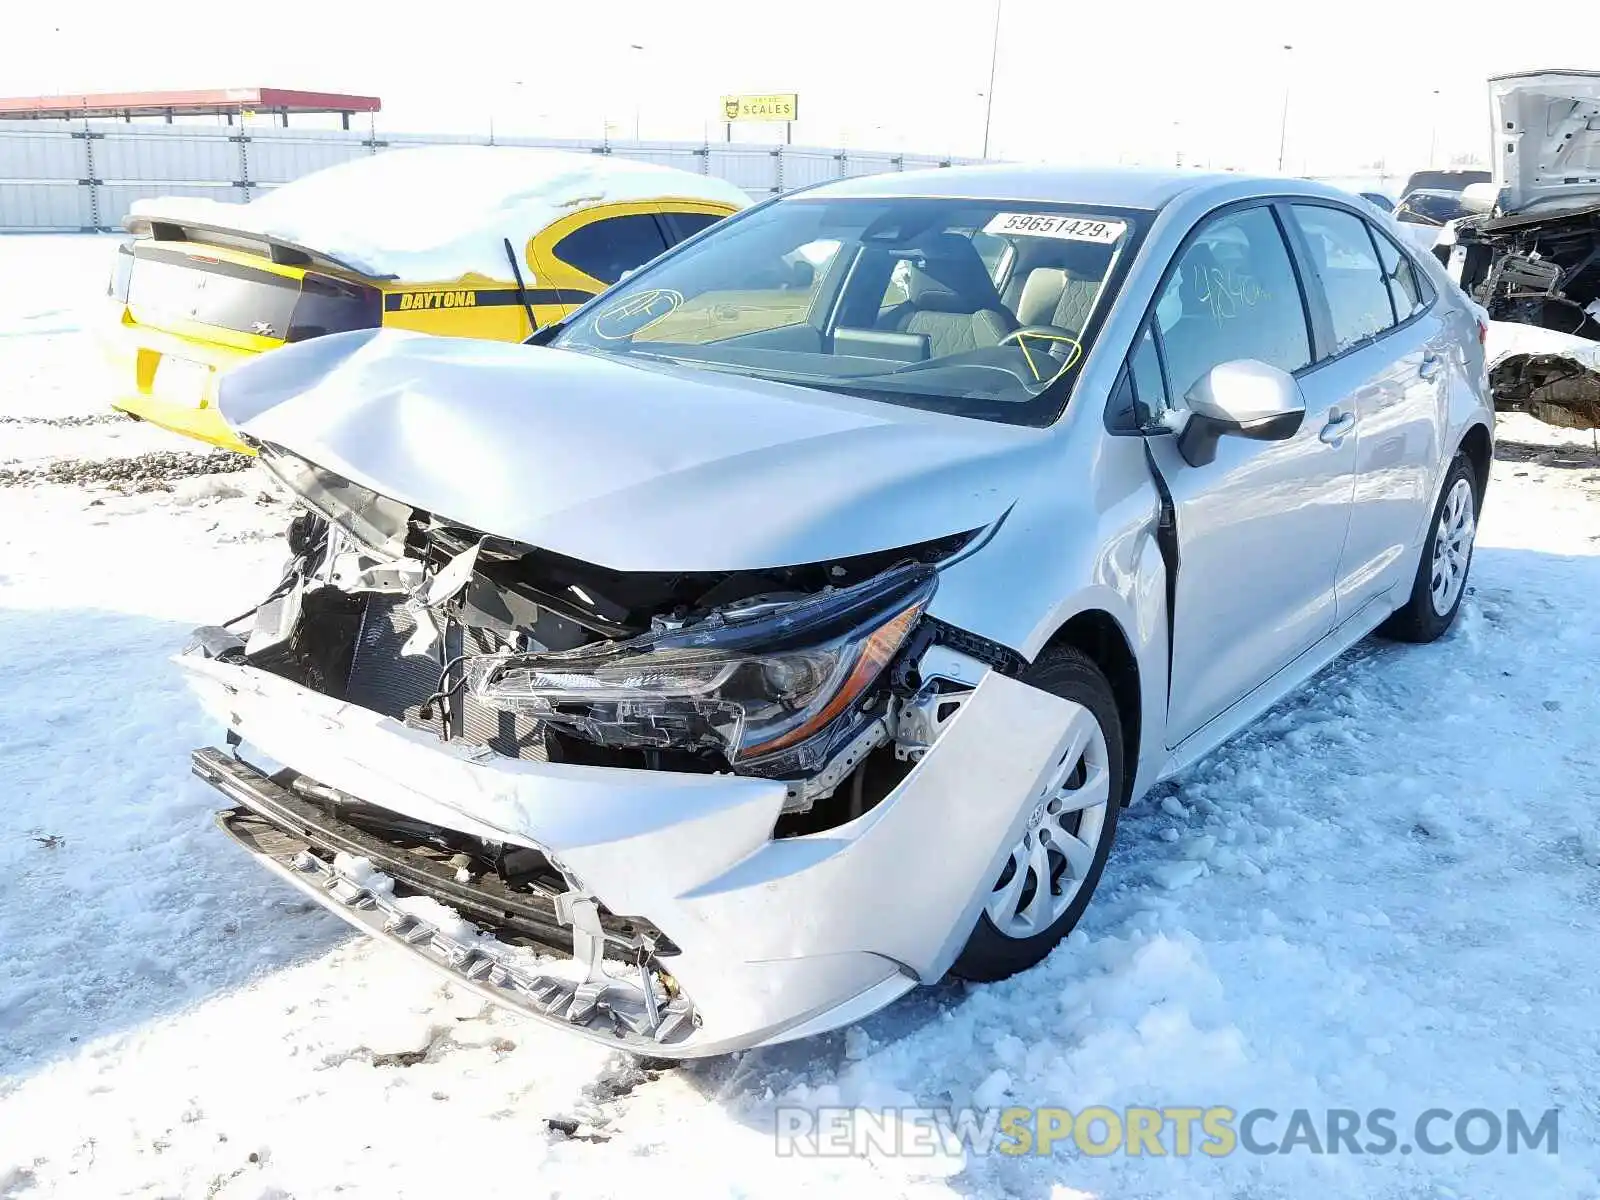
x=70 y=176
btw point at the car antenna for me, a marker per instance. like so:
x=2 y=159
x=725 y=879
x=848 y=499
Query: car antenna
x=522 y=290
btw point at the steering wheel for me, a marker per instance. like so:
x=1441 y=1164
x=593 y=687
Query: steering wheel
x=1062 y=342
x=1052 y=333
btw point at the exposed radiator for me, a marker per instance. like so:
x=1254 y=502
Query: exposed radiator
x=396 y=685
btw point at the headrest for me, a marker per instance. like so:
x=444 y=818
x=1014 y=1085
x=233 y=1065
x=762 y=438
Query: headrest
x=1041 y=295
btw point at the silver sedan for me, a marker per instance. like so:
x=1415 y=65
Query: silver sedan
x=787 y=627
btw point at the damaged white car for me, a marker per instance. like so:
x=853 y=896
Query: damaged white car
x=1532 y=258
x=787 y=628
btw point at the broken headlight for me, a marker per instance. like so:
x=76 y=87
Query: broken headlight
x=748 y=688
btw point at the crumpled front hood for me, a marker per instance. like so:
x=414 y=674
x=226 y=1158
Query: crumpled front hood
x=630 y=466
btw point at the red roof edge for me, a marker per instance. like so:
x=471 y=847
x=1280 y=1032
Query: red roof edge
x=188 y=102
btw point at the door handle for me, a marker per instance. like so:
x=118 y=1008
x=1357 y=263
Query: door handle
x=1337 y=428
x=1431 y=364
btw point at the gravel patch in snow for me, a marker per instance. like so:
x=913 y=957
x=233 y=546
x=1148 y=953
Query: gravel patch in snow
x=154 y=471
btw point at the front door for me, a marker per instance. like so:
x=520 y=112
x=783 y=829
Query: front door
x=1260 y=529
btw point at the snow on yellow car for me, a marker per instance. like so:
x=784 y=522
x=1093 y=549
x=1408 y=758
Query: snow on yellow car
x=464 y=241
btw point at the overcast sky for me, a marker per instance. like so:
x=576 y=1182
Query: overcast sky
x=1080 y=82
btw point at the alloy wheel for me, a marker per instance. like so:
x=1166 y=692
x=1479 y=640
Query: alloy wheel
x=1048 y=866
x=1452 y=547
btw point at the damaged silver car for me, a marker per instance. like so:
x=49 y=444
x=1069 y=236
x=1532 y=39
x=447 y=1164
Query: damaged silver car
x=1533 y=257
x=786 y=628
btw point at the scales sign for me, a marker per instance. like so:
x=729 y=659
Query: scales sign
x=781 y=107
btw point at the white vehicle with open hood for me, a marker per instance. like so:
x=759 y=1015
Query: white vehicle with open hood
x=1533 y=258
x=787 y=627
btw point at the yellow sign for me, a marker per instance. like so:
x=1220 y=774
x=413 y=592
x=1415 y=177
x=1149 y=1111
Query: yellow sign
x=781 y=107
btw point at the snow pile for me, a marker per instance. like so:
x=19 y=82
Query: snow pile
x=437 y=213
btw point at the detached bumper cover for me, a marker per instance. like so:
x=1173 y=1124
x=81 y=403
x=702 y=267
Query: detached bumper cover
x=777 y=938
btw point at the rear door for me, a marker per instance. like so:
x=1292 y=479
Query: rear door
x=1381 y=365
x=1261 y=527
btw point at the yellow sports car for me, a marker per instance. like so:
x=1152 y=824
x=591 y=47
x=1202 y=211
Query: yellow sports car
x=463 y=241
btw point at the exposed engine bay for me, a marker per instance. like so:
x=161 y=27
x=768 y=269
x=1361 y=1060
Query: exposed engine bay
x=796 y=673
x=1539 y=269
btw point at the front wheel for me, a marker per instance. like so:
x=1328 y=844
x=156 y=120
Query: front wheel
x=1047 y=881
x=1446 y=557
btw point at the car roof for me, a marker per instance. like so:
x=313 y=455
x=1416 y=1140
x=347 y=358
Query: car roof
x=1115 y=187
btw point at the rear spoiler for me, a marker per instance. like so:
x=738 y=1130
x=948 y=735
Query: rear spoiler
x=175 y=228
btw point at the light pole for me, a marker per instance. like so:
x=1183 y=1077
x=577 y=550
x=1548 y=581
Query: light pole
x=1433 y=136
x=516 y=83
x=994 y=59
x=1283 y=125
x=638 y=75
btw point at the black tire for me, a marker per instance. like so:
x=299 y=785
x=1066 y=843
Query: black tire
x=1418 y=620
x=990 y=954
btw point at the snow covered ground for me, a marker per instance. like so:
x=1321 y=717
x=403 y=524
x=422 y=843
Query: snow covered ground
x=1385 y=896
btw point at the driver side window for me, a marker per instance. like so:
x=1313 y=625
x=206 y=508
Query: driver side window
x=1233 y=294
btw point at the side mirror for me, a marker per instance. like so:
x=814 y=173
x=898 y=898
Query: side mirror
x=1242 y=398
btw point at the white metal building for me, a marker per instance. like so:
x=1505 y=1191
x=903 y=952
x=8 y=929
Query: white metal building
x=83 y=175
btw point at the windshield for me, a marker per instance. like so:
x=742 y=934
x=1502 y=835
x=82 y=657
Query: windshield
x=1431 y=208
x=983 y=308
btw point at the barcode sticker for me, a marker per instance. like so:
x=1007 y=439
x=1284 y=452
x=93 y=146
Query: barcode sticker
x=1057 y=225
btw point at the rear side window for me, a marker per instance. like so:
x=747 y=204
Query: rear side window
x=609 y=247
x=1405 y=289
x=682 y=225
x=1232 y=294
x=1345 y=262
x=993 y=250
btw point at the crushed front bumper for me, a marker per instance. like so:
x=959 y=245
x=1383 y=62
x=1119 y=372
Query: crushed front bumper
x=638 y=1011
x=776 y=938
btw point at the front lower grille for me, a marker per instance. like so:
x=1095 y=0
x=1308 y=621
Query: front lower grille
x=397 y=685
x=273 y=819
